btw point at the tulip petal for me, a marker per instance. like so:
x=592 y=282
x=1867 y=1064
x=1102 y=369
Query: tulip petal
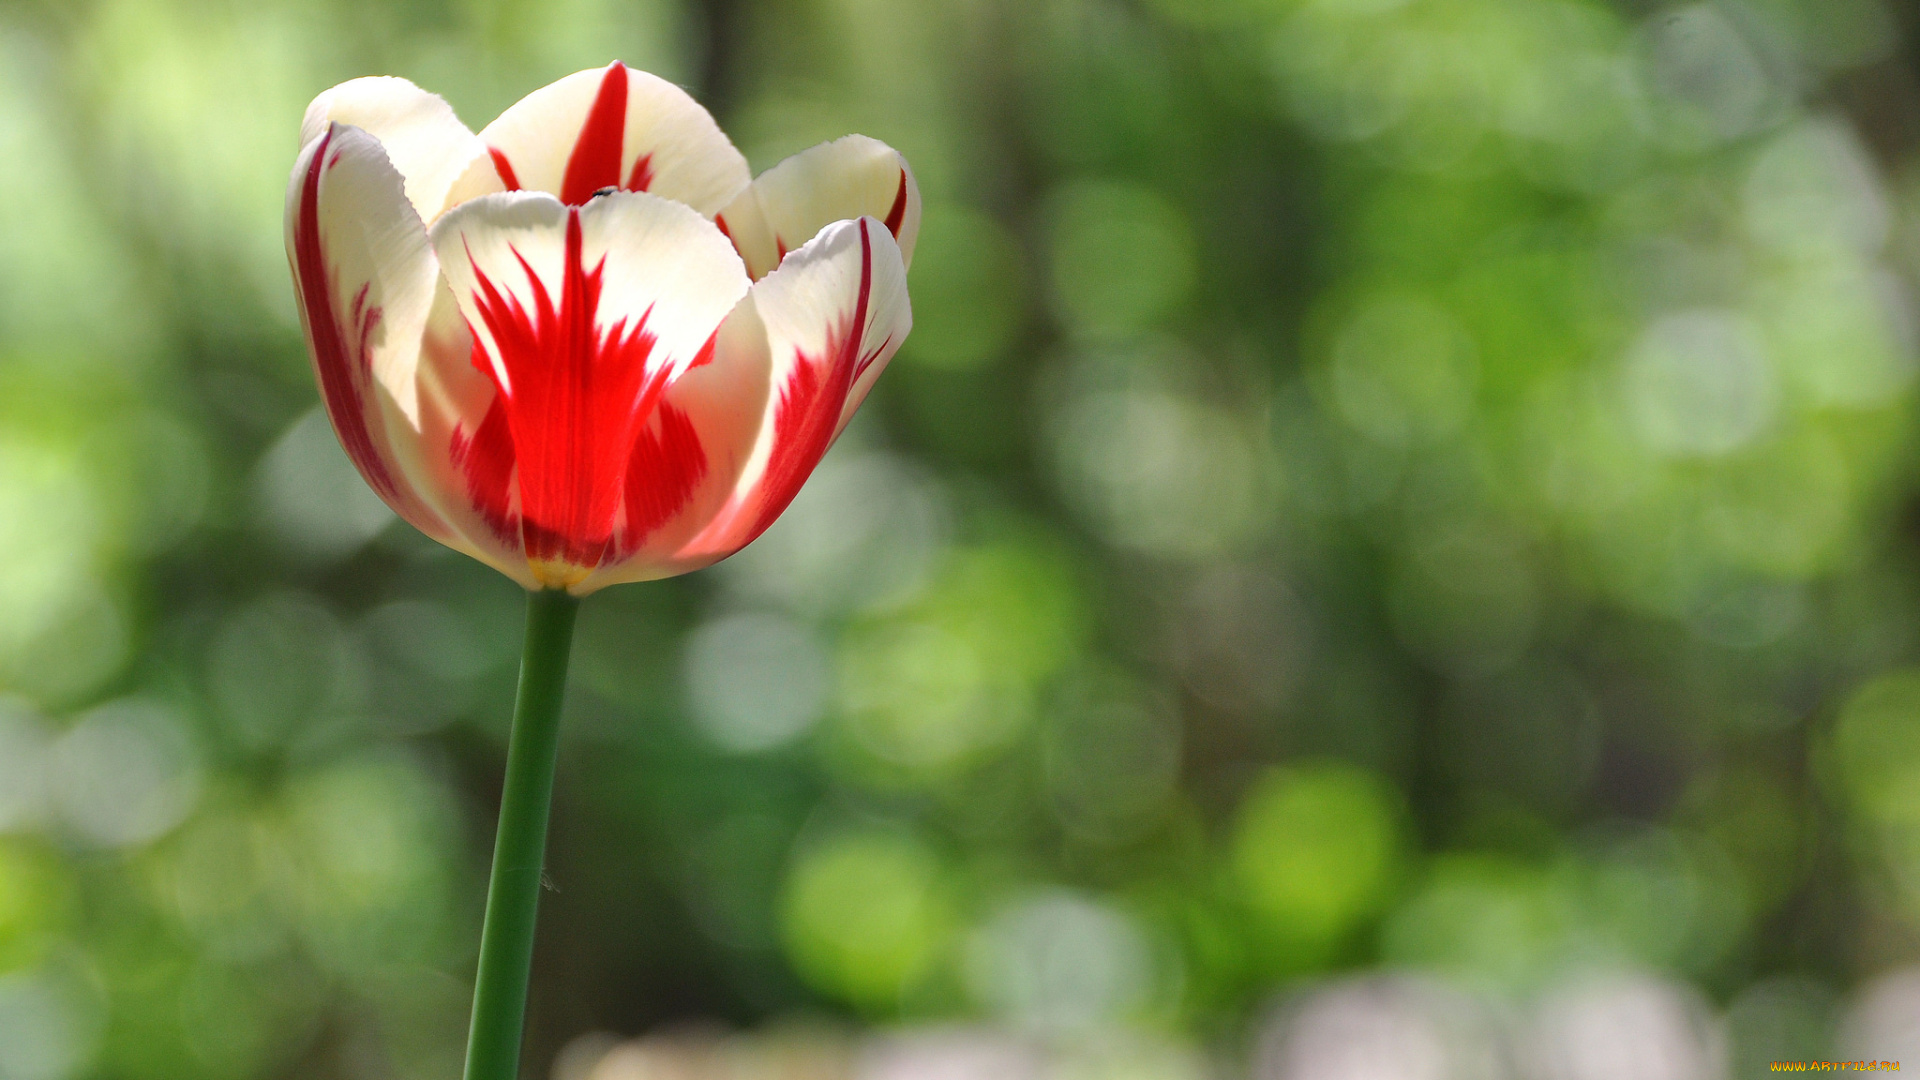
x=422 y=137
x=834 y=181
x=614 y=127
x=364 y=277
x=463 y=455
x=677 y=484
x=831 y=318
x=582 y=317
x=376 y=315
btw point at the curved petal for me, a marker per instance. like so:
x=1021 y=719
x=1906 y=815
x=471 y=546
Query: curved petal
x=459 y=426
x=830 y=318
x=835 y=181
x=364 y=278
x=688 y=461
x=368 y=287
x=582 y=317
x=422 y=137
x=614 y=127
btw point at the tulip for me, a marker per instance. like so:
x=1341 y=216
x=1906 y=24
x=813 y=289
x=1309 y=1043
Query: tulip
x=585 y=347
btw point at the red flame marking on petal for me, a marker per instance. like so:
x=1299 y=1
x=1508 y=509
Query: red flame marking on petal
x=662 y=475
x=486 y=458
x=811 y=402
x=595 y=162
x=581 y=395
x=503 y=168
x=344 y=367
x=705 y=355
x=720 y=220
x=898 y=214
x=641 y=178
x=867 y=358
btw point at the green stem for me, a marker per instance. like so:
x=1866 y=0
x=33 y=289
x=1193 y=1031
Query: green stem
x=519 y=848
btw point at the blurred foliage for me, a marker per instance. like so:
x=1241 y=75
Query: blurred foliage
x=1406 y=486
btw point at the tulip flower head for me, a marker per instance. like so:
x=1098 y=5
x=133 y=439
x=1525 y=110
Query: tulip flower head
x=585 y=346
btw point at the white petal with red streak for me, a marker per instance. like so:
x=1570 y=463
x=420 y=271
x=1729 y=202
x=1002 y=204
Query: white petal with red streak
x=834 y=181
x=691 y=160
x=800 y=308
x=454 y=398
x=422 y=137
x=369 y=237
x=727 y=402
x=662 y=261
x=792 y=317
x=364 y=278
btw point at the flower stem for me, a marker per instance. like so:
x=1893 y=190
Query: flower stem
x=519 y=848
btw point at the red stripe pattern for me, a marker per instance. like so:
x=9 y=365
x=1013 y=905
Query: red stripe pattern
x=583 y=458
x=594 y=163
x=504 y=169
x=342 y=358
x=641 y=178
x=811 y=401
x=576 y=428
x=897 y=214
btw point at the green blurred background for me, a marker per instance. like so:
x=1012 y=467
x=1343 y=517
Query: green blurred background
x=1392 y=551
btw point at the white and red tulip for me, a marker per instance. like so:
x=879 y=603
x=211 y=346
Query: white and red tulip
x=584 y=346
